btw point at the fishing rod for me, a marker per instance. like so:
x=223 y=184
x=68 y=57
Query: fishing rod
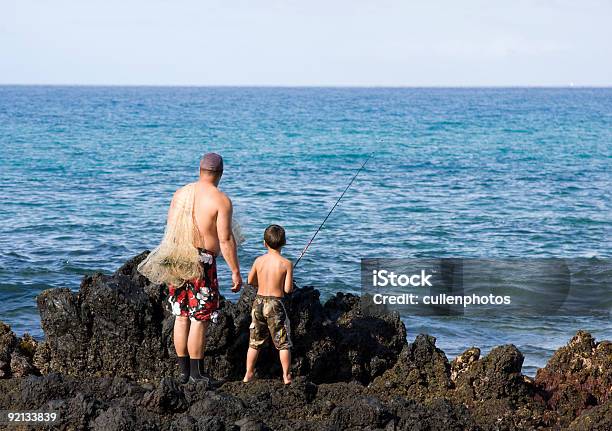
x=332 y=210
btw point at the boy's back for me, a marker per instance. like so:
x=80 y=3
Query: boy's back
x=271 y=271
x=272 y=274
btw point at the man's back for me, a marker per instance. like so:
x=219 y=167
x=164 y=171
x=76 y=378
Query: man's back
x=209 y=203
x=271 y=271
x=211 y=208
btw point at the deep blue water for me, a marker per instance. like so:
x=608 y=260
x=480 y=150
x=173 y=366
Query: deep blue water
x=86 y=176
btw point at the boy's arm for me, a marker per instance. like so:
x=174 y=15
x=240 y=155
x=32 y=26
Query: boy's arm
x=252 y=279
x=289 y=278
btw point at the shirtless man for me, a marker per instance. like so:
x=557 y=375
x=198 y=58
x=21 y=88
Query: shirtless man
x=196 y=302
x=272 y=274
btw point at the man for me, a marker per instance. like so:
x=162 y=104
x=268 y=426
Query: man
x=199 y=227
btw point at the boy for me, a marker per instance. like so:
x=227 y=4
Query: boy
x=272 y=275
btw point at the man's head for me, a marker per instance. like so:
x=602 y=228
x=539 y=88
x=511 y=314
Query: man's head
x=274 y=236
x=211 y=166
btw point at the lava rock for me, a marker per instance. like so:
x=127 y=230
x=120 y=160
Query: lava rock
x=114 y=419
x=421 y=372
x=167 y=398
x=497 y=400
x=496 y=391
x=121 y=325
x=463 y=362
x=577 y=377
x=437 y=415
x=107 y=363
x=248 y=424
x=114 y=325
x=16 y=354
x=596 y=419
x=8 y=340
x=21 y=365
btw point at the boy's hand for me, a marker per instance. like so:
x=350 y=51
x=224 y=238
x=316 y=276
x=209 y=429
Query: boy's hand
x=237 y=281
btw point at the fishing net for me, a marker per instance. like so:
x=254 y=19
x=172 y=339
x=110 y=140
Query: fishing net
x=237 y=232
x=176 y=259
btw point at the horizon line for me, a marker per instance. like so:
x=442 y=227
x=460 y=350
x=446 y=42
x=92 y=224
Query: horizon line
x=322 y=86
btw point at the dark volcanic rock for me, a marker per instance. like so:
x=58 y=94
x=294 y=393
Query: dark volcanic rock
x=120 y=325
x=107 y=363
x=488 y=394
x=119 y=404
x=496 y=391
x=422 y=372
x=577 y=377
x=112 y=326
x=439 y=415
x=463 y=362
x=16 y=354
x=8 y=340
x=493 y=388
x=497 y=376
x=167 y=398
x=342 y=406
x=596 y=419
x=114 y=419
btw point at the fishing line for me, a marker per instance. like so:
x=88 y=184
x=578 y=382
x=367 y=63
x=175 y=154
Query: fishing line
x=332 y=210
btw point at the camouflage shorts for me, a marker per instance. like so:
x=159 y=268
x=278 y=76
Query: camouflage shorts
x=269 y=318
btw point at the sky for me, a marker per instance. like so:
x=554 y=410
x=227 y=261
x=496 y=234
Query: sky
x=307 y=43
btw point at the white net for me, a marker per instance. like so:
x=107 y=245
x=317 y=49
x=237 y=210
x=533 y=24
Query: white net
x=237 y=232
x=176 y=259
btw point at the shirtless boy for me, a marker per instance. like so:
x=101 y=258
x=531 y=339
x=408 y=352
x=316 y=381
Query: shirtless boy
x=272 y=275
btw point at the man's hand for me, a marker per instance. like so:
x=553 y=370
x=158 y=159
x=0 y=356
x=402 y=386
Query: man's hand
x=237 y=281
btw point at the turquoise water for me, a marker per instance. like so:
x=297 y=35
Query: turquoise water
x=87 y=175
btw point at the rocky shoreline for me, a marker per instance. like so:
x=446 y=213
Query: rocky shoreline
x=107 y=363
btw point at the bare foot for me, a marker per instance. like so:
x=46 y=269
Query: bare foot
x=287 y=379
x=247 y=377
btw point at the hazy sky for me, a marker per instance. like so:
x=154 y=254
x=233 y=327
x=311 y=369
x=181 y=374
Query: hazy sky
x=307 y=42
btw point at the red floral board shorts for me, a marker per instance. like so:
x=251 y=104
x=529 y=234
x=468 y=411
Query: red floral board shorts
x=198 y=299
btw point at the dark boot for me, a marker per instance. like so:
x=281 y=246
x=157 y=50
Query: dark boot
x=196 y=374
x=183 y=362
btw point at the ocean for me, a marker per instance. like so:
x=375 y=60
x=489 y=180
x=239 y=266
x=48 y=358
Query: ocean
x=87 y=173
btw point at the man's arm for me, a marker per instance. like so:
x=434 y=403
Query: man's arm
x=252 y=279
x=289 y=278
x=227 y=241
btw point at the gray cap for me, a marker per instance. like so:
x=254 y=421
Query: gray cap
x=211 y=162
